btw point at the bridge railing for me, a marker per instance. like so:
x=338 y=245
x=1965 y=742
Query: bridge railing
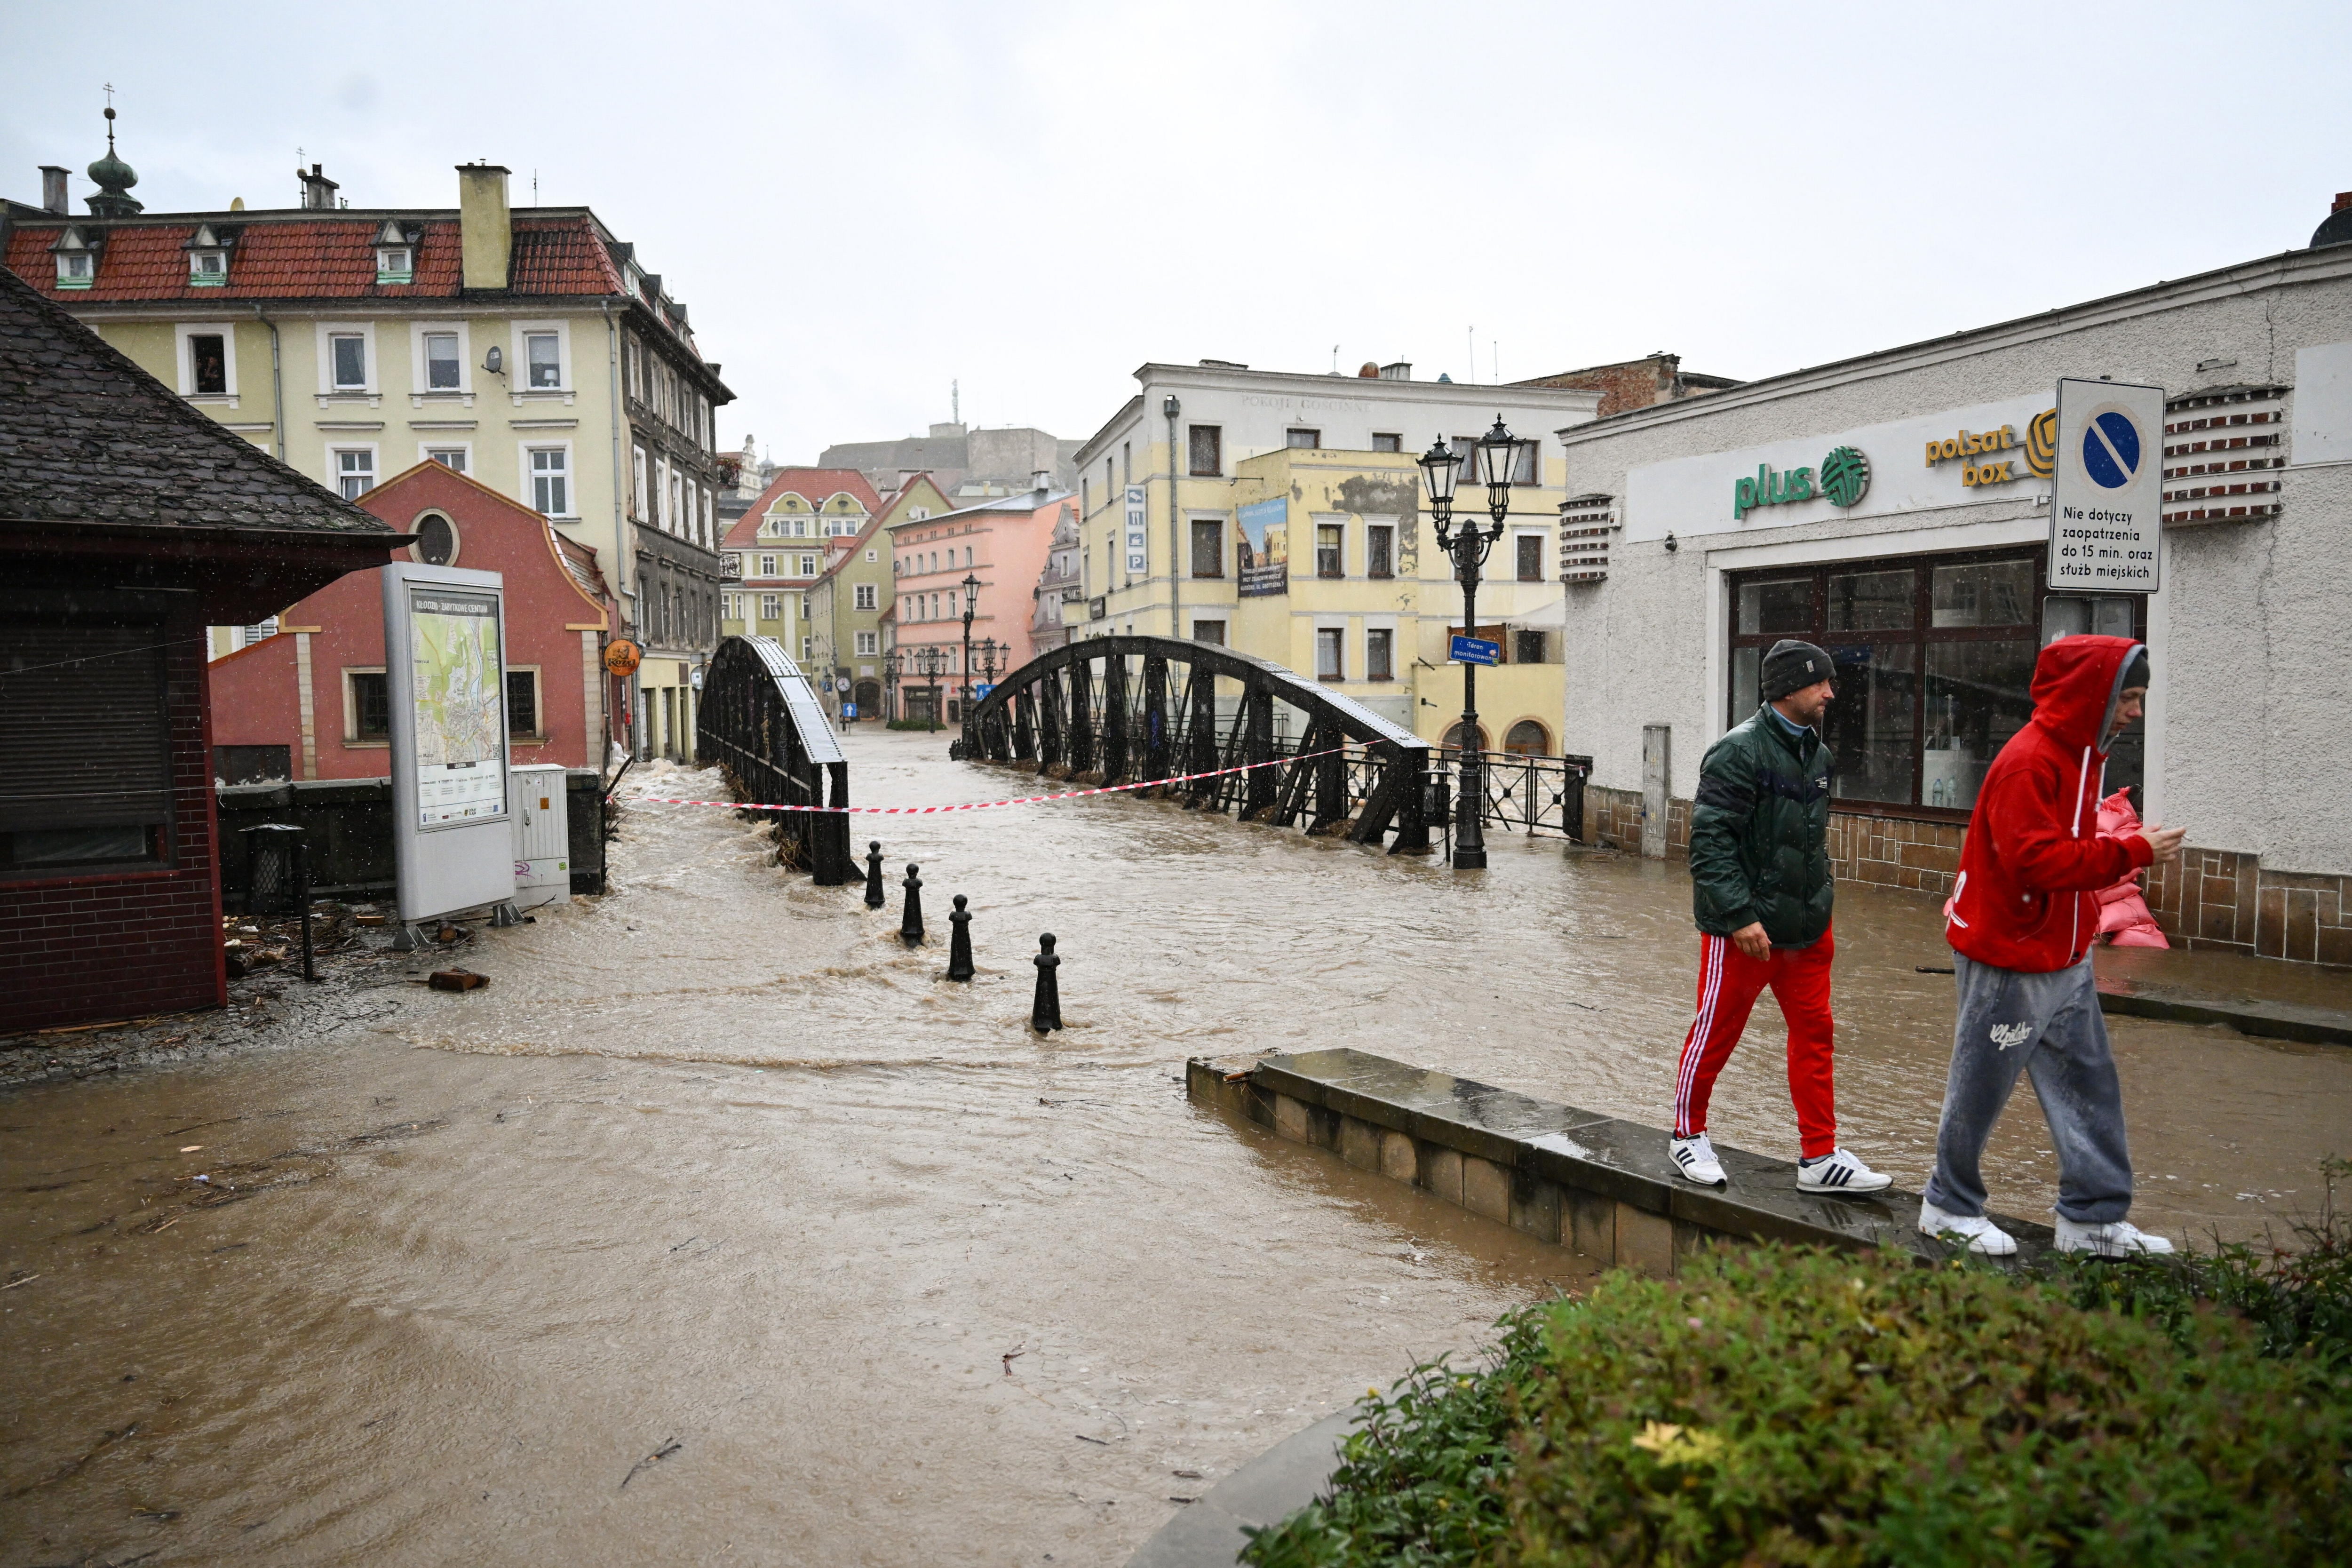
x=1534 y=794
x=761 y=724
x=1135 y=709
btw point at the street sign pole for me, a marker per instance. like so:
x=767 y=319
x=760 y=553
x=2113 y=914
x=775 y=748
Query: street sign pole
x=2106 y=489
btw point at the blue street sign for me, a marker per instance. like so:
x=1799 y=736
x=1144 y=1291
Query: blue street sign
x=983 y=689
x=849 y=709
x=1476 y=650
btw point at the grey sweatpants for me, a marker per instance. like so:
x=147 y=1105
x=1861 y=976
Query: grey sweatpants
x=2049 y=1026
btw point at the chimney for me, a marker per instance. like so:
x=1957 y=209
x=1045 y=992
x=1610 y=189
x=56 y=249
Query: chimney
x=1400 y=370
x=486 y=235
x=53 y=189
x=1041 y=480
x=317 y=191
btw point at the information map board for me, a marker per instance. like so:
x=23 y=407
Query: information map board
x=445 y=669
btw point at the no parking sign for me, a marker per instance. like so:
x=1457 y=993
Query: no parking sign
x=2106 y=490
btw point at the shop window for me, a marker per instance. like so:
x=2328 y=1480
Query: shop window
x=1934 y=665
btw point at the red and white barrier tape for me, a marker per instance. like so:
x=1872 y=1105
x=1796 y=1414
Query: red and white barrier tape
x=983 y=805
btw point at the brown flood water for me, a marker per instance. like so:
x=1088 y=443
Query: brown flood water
x=715 y=1163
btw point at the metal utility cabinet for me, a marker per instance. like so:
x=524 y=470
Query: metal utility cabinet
x=542 y=854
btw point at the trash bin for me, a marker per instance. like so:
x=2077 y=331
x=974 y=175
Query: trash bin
x=277 y=878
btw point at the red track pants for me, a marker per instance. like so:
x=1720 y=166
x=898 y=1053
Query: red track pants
x=1729 y=982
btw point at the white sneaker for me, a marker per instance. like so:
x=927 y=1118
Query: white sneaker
x=1981 y=1234
x=2117 y=1238
x=1695 y=1157
x=1839 y=1172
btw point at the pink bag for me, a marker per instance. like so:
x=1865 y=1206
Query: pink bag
x=2124 y=918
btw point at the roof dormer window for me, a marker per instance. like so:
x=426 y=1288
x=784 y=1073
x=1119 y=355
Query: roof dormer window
x=76 y=260
x=396 y=255
x=207 y=258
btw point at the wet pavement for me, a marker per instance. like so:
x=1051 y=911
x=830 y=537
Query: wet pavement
x=720 y=1227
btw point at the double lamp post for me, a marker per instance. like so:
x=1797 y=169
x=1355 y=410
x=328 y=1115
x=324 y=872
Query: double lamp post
x=1498 y=453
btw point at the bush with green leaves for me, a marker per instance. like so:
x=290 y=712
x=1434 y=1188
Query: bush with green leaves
x=1775 y=1407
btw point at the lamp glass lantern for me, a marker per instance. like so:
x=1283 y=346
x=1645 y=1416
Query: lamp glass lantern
x=1440 y=467
x=971 y=593
x=1498 y=457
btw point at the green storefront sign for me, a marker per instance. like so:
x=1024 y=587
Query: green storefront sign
x=1842 y=479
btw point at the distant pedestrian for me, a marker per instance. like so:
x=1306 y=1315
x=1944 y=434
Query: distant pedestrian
x=1762 y=895
x=2022 y=920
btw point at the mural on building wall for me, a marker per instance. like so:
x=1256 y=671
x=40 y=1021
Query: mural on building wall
x=1263 y=550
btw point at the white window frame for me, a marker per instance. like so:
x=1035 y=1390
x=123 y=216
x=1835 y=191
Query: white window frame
x=1543 y=554
x=335 y=464
x=418 y=373
x=519 y=375
x=807 y=564
x=869 y=644
x=456 y=537
x=181 y=332
x=351 y=705
x=425 y=450
x=872 y=555
x=200 y=278
x=639 y=470
x=768 y=566
x=329 y=330
x=523 y=449
x=774 y=601
x=674 y=504
x=73 y=279
x=537 y=737
x=869 y=596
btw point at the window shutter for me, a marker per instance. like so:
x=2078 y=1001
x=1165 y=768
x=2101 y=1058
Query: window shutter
x=84 y=737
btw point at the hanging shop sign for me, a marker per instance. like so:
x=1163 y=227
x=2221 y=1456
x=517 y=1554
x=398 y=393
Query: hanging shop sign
x=2106 y=518
x=1842 y=479
x=620 y=656
x=1264 y=549
x=1136 y=557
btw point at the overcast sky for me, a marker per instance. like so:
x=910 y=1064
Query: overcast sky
x=862 y=203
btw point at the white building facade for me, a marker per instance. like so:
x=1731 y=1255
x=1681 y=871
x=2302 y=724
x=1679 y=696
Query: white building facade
x=1700 y=532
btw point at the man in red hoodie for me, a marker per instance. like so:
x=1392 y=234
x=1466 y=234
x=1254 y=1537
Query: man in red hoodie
x=2021 y=922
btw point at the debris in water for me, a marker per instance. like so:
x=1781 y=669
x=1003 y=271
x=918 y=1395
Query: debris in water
x=1008 y=1359
x=456 y=980
x=664 y=1452
x=190 y=1148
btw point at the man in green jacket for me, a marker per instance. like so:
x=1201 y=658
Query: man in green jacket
x=1760 y=891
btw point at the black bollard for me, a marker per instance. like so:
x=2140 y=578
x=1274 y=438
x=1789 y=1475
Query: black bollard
x=1045 y=1012
x=874 y=874
x=960 y=964
x=910 y=924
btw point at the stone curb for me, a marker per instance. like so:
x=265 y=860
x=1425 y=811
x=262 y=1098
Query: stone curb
x=2269 y=1020
x=1266 y=1491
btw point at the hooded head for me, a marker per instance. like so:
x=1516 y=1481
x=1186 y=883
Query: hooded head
x=2077 y=684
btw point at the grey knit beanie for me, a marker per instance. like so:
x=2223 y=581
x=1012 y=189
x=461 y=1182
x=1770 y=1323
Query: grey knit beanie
x=1792 y=665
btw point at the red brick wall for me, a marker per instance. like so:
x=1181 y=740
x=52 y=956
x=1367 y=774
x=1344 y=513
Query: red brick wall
x=79 y=949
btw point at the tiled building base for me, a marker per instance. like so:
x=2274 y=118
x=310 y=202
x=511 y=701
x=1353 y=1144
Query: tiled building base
x=2210 y=899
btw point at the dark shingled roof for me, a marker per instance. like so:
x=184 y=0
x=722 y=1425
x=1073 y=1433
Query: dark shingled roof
x=88 y=437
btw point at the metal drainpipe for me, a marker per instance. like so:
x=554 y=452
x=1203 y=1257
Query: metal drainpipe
x=620 y=514
x=277 y=384
x=1175 y=540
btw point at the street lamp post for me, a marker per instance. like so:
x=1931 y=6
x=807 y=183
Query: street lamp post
x=930 y=663
x=889 y=685
x=971 y=602
x=1498 y=457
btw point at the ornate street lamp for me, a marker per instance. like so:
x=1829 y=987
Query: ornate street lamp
x=891 y=686
x=1498 y=460
x=930 y=662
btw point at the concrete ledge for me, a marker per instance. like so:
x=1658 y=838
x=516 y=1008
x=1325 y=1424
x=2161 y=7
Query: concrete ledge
x=1599 y=1185
x=1266 y=1491
x=2272 y=1020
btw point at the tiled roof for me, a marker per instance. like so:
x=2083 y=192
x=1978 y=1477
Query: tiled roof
x=814 y=485
x=86 y=436
x=310 y=255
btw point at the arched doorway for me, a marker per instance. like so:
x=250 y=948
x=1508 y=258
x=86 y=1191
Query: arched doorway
x=1528 y=739
x=1454 y=737
x=868 y=698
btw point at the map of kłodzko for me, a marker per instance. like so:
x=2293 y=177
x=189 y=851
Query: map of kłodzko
x=461 y=751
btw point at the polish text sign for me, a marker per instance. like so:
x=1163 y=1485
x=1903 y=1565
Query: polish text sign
x=1476 y=650
x=2106 y=491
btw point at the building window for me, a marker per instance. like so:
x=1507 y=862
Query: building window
x=767 y=565
x=1330 y=550
x=638 y=473
x=1386 y=441
x=441 y=363
x=1934 y=665
x=369 y=715
x=1379 y=654
x=869 y=596
x=1300 y=438
x=261 y=631
x=771 y=606
x=551 y=481
x=1530 y=547
x=355 y=471
x=348 y=359
x=208 y=363
x=1208 y=449
x=1528 y=739
x=436 y=540
x=868 y=644
x=208 y=269
x=1327 y=642
x=1380 y=550
x=394 y=264
x=1526 y=645
x=522 y=704
x=1208 y=547
x=544 y=354
x=450 y=457
x=808 y=566
x=76 y=268
x=808 y=645
x=89 y=782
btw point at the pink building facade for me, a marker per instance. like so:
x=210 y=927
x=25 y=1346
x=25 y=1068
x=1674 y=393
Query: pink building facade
x=1004 y=544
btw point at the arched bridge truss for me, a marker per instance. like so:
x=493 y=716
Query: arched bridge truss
x=762 y=726
x=1122 y=709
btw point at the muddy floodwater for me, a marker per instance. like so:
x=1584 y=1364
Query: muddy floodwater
x=720 y=1227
